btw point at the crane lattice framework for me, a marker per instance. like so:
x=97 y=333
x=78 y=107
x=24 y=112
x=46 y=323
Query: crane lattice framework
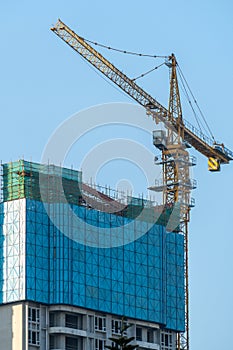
x=176 y=184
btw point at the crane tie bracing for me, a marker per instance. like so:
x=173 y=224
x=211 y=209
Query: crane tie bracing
x=123 y=51
x=148 y=72
x=176 y=185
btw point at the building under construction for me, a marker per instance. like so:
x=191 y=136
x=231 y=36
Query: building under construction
x=76 y=258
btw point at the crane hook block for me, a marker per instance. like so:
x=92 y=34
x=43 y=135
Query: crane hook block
x=213 y=164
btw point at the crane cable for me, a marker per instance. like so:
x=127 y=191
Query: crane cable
x=195 y=101
x=124 y=51
x=183 y=88
x=129 y=53
x=149 y=71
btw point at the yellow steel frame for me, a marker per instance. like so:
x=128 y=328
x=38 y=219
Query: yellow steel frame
x=177 y=182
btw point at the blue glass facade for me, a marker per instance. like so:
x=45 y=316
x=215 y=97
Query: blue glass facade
x=142 y=279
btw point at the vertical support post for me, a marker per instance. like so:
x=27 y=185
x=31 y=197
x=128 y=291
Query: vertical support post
x=177 y=181
x=183 y=338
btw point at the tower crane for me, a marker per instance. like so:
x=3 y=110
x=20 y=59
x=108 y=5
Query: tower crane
x=176 y=184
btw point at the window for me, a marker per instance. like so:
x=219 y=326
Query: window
x=90 y=323
x=51 y=319
x=71 y=321
x=71 y=343
x=52 y=342
x=116 y=327
x=33 y=314
x=33 y=337
x=100 y=323
x=116 y=346
x=150 y=336
x=139 y=333
x=90 y=344
x=33 y=326
x=99 y=344
x=166 y=340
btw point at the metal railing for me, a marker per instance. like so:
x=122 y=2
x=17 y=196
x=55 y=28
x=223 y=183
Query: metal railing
x=207 y=139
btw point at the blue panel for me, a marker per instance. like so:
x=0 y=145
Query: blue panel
x=143 y=279
x=1 y=251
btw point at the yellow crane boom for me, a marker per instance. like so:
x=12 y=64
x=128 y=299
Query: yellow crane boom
x=190 y=134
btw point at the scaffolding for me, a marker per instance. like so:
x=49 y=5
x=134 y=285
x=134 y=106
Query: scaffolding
x=56 y=184
x=23 y=179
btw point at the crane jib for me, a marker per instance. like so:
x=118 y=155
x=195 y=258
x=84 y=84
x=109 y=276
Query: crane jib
x=193 y=136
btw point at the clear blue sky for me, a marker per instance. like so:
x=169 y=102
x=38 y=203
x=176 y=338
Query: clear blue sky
x=43 y=82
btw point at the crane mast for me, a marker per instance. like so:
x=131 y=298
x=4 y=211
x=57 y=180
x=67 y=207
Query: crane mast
x=176 y=184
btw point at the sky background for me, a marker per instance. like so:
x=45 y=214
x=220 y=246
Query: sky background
x=44 y=82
